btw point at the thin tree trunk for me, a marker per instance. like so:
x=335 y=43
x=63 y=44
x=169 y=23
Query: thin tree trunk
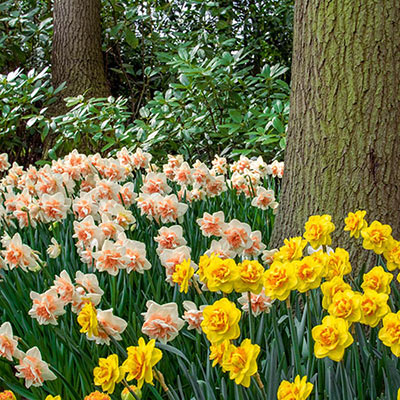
x=343 y=143
x=76 y=54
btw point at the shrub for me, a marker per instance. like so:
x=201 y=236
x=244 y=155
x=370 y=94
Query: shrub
x=217 y=105
x=91 y=125
x=24 y=99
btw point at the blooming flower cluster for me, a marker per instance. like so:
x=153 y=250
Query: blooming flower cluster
x=86 y=221
x=48 y=306
x=100 y=198
x=247 y=175
x=326 y=269
x=236 y=238
x=138 y=366
x=30 y=365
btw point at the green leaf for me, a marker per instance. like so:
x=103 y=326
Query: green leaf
x=236 y=115
x=183 y=54
x=184 y=80
x=277 y=124
x=131 y=39
x=31 y=122
x=173 y=350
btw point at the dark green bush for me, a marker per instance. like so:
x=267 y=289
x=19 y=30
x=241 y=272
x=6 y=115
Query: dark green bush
x=24 y=99
x=217 y=105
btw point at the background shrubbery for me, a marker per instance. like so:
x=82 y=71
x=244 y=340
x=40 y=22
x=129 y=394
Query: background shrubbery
x=187 y=73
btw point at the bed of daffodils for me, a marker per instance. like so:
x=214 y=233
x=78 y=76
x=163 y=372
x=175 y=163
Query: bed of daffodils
x=124 y=279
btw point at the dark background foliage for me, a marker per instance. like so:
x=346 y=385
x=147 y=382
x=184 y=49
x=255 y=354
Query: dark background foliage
x=199 y=76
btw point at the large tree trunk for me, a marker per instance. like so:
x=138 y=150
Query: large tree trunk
x=76 y=55
x=343 y=142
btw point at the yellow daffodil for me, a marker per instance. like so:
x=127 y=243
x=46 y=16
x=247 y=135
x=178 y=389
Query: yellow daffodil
x=182 y=275
x=331 y=338
x=377 y=237
x=330 y=288
x=337 y=264
x=292 y=250
x=373 y=307
x=377 y=279
x=217 y=352
x=355 y=223
x=241 y=362
x=250 y=277
x=87 y=319
x=392 y=255
x=300 y=389
x=279 y=280
x=309 y=273
x=221 y=275
x=321 y=258
x=346 y=305
x=204 y=263
x=221 y=321
x=318 y=229
x=140 y=362
x=108 y=373
x=389 y=334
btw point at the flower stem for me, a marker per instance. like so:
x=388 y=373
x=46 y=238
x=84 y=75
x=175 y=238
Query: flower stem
x=260 y=385
x=251 y=327
x=125 y=383
x=293 y=335
x=199 y=291
x=160 y=378
x=309 y=339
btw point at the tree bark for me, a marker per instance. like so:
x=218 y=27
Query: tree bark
x=343 y=141
x=76 y=54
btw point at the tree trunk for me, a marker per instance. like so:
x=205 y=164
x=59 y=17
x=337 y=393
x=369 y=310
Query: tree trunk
x=76 y=55
x=343 y=142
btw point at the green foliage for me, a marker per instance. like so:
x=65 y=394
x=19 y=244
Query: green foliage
x=138 y=34
x=186 y=74
x=90 y=125
x=217 y=105
x=27 y=128
x=25 y=34
x=24 y=98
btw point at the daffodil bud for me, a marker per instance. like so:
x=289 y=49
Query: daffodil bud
x=127 y=395
x=7 y=395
